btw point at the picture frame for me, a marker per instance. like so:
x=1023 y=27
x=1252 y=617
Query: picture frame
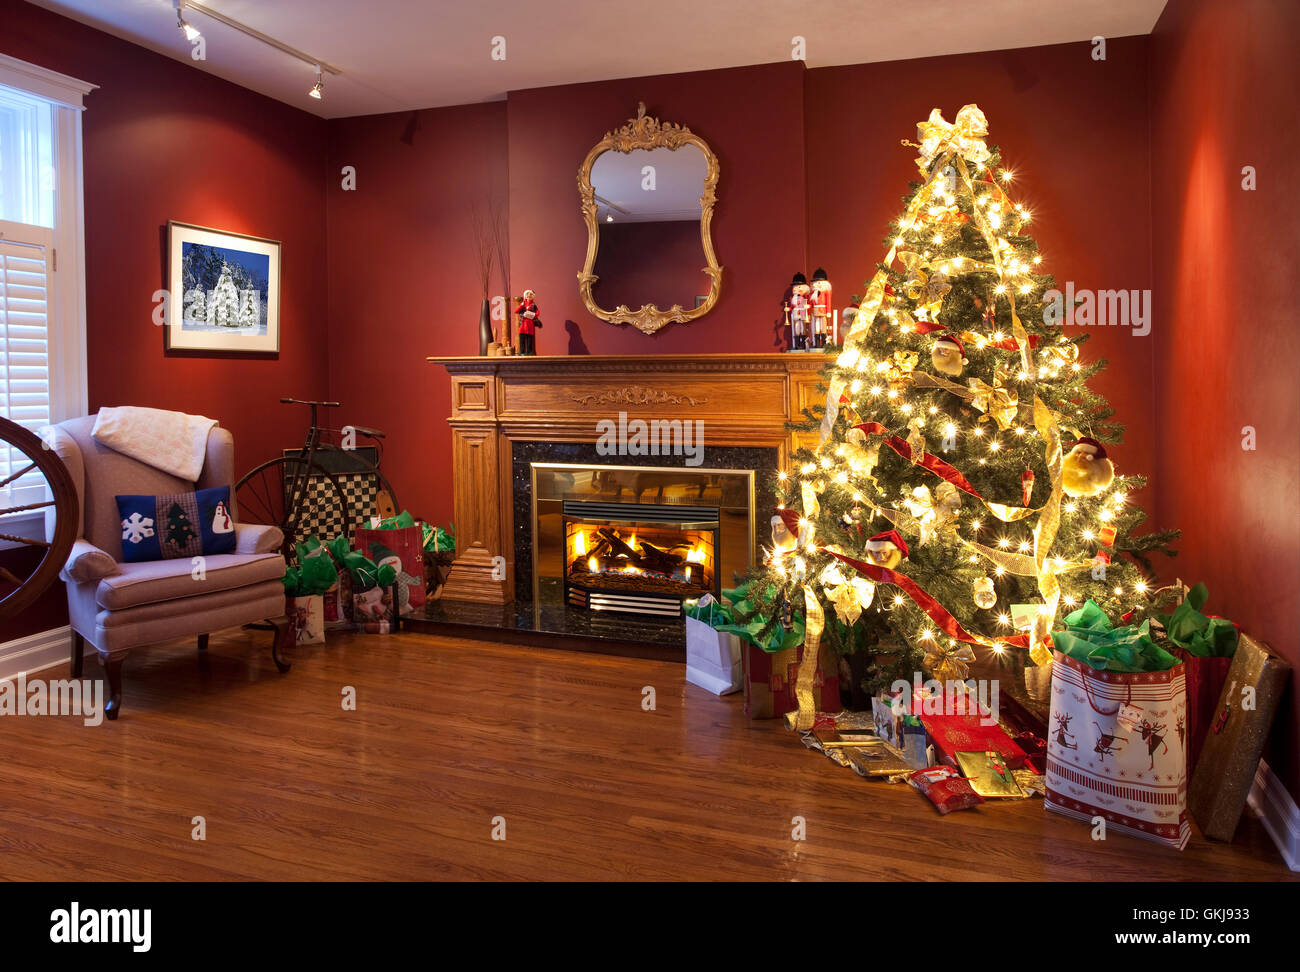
x=225 y=291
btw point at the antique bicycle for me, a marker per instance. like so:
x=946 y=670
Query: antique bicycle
x=301 y=492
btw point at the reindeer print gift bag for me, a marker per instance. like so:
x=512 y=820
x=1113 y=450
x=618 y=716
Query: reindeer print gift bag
x=1115 y=749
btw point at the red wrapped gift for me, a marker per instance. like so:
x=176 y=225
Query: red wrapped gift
x=962 y=733
x=770 y=682
x=1205 y=679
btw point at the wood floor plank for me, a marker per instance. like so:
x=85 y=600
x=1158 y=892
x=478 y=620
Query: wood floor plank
x=447 y=735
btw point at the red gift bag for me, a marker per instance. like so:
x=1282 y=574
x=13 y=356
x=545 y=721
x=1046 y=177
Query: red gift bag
x=404 y=549
x=770 y=683
x=1205 y=679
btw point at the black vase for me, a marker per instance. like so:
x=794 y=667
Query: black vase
x=484 y=329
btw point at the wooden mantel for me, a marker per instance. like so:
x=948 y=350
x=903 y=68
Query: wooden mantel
x=744 y=400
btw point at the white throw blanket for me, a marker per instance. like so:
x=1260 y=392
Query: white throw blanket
x=174 y=442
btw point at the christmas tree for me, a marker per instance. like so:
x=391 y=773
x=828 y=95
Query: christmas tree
x=961 y=498
x=179 y=531
x=223 y=308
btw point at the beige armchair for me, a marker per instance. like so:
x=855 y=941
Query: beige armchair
x=119 y=606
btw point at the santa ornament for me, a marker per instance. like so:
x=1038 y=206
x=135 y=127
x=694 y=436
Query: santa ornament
x=529 y=319
x=886 y=549
x=948 y=355
x=799 y=312
x=1086 y=471
x=820 y=300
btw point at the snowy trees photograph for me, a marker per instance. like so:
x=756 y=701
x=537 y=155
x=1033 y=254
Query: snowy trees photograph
x=225 y=291
x=223 y=288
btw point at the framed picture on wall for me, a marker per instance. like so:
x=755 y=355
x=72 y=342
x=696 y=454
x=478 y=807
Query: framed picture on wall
x=225 y=291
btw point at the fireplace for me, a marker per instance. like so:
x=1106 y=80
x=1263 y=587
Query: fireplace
x=638 y=540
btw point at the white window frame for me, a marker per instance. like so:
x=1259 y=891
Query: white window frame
x=66 y=296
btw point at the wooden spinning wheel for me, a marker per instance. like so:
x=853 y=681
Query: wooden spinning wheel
x=29 y=459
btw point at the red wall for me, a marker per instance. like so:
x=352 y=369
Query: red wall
x=1073 y=130
x=165 y=141
x=752 y=118
x=1223 y=90
x=402 y=278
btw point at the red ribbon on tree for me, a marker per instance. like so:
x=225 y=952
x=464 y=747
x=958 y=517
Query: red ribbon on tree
x=927 y=460
x=936 y=611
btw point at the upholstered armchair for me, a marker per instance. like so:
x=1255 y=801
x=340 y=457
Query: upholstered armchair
x=120 y=606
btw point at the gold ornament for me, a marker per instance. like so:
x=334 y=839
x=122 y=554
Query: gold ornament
x=984 y=594
x=899 y=374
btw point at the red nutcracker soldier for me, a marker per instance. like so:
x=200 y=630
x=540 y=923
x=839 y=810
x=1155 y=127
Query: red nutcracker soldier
x=529 y=319
x=821 y=308
x=799 y=310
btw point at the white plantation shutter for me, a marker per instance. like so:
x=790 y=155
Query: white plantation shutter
x=24 y=349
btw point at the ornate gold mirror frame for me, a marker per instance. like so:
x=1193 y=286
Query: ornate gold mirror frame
x=644 y=132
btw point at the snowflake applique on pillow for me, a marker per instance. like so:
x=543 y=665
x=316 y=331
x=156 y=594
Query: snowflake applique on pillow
x=137 y=528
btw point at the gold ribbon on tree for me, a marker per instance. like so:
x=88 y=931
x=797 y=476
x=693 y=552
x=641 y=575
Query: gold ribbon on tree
x=964 y=137
x=814 y=623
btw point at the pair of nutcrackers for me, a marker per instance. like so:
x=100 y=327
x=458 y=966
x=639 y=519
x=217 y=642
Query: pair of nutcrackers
x=530 y=319
x=808 y=311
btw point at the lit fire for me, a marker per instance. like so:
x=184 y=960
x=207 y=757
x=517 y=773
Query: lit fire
x=580 y=544
x=696 y=556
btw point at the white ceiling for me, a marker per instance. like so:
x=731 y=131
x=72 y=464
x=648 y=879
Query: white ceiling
x=397 y=55
x=672 y=191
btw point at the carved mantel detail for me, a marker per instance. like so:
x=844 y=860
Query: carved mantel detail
x=637 y=395
x=746 y=399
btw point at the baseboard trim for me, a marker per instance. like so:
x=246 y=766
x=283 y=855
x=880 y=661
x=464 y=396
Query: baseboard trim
x=1277 y=809
x=33 y=653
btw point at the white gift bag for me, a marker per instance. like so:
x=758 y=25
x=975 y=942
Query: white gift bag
x=1115 y=750
x=308 y=619
x=714 y=660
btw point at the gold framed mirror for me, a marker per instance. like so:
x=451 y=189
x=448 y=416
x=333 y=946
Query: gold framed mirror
x=643 y=187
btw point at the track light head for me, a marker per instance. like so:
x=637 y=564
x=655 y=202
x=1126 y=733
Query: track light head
x=318 y=89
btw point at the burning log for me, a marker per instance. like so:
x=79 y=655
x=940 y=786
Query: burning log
x=657 y=558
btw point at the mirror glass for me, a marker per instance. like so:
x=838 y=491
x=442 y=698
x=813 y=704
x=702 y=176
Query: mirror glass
x=648 y=217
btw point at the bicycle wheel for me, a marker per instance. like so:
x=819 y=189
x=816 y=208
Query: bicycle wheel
x=302 y=500
x=24 y=463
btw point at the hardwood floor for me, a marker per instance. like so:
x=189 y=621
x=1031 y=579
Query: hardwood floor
x=447 y=735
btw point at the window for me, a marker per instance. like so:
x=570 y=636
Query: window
x=42 y=279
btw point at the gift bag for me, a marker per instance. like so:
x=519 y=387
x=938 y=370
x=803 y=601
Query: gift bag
x=713 y=658
x=1205 y=681
x=770 y=681
x=398 y=541
x=372 y=610
x=307 y=615
x=1115 y=749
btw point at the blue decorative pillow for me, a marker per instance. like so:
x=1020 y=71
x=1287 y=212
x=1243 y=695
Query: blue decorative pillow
x=180 y=525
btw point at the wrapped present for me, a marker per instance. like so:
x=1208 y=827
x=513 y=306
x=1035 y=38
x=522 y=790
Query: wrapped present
x=959 y=732
x=770 y=682
x=713 y=658
x=398 y=542
x=989 y=774
x=1235 y=742
x=1114 y=750
x=304 y=586
x=945 y=788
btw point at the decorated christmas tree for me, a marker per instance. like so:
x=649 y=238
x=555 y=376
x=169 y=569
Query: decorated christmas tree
x=179 y=530
x=961 y=498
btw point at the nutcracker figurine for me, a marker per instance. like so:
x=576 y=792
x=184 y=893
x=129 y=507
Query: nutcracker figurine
x=529 y=318
x=820 y=301
x=798 y=310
